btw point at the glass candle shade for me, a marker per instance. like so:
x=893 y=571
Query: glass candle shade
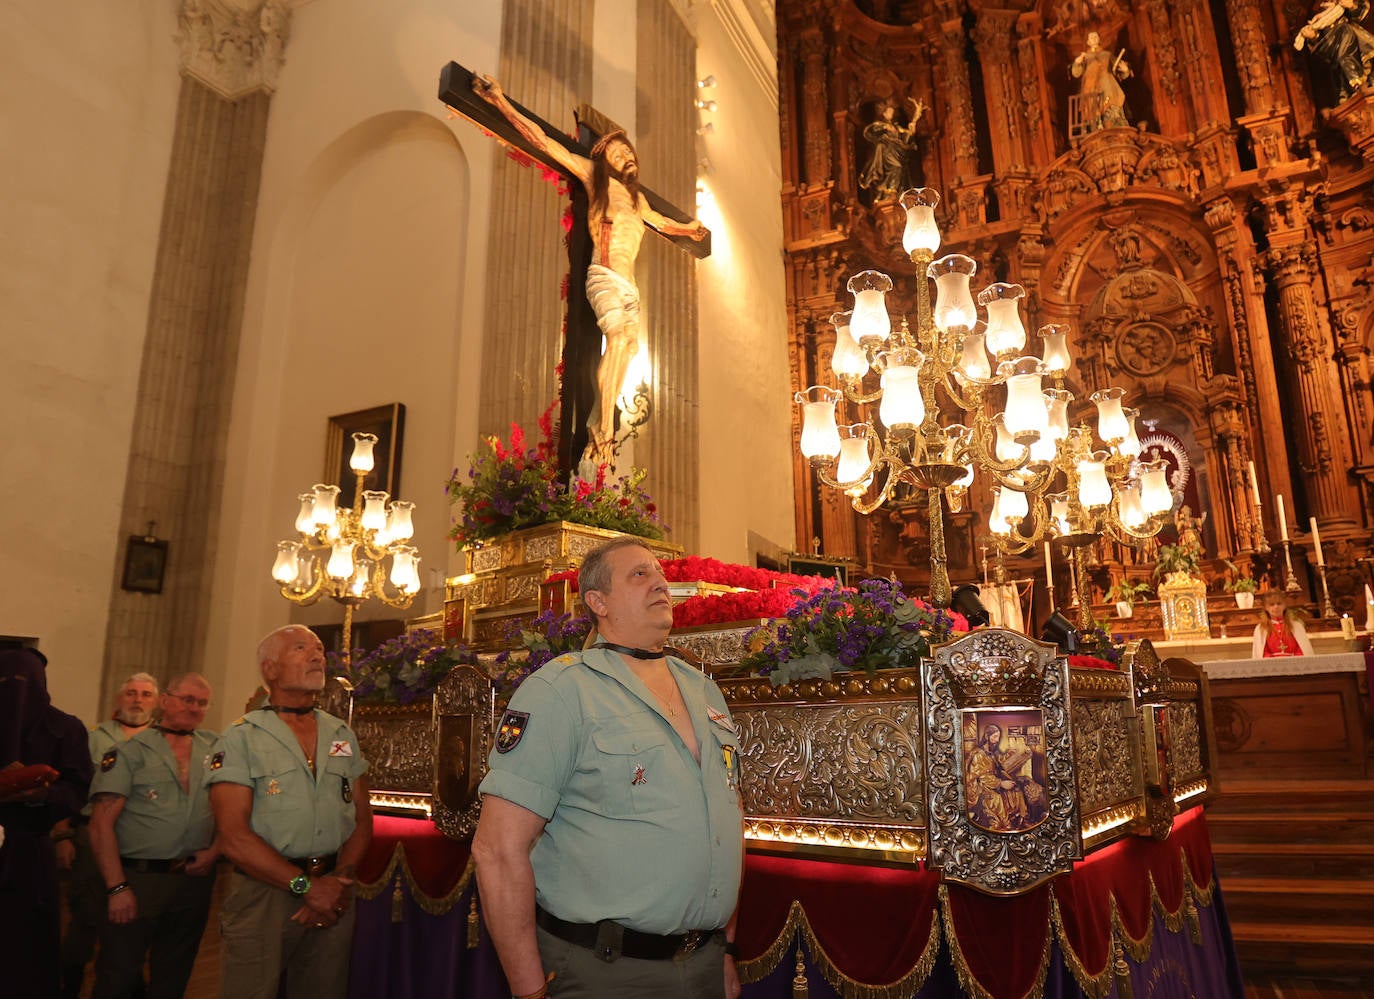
x=374 y=509
x=398 y=525
x=1155 y=497
x=326 y=498
x=1093 y=488
x=869 y=322
x=957 y=437
x=1027 y=413
x=902 y=407
x=820 y=438
x=305 y=519
x=1006 y=334
x=340 y=564
x=1129 y=507
x=411 y=586
x=1054 y=349
x=1111 y=418
x=973 y=361
x=286 y=566
x=362 y=572
x=361 y=459
x=848 y=359
x=402 y=563
x=921 y=232
x=997 y=523
x=852 y=472
x=1005 y=448
x=1059 y=512
x=954 y=307
x=1015 y=506
x=1130 y=446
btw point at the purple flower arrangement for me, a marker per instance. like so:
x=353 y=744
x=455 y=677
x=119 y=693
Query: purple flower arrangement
x=546 y=637
x=510 y=486
x=403 y=670
x=874 y=627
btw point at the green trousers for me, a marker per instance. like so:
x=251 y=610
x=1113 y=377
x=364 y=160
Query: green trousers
x=580 y=974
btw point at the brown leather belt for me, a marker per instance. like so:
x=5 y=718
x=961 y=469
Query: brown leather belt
x=315 y=866
x=609 y=940
x=153 y=866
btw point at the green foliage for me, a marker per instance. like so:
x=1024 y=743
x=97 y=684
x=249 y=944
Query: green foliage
x=1126 y=592
x=1176 y=558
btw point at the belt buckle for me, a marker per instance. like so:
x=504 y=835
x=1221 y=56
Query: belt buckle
x=691 y=940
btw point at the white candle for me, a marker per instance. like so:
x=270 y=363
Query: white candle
x=1316 y=541
x=1049 y=568
x=1283 y=516
x=1254 y=484
x=1347 y=627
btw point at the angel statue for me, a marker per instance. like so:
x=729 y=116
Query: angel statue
x=1335 y=36
x=886 y=173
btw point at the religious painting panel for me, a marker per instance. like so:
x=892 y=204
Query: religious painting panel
x=464 y=704
x=1004 y=769
x=387 y=424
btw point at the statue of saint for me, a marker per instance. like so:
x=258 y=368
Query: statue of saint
x=1335 y=36
x=1189 y=530
x=616 y=216
x=886 y=174
x=1101 y=101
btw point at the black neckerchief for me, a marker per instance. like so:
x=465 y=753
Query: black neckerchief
x=626 y=650
x=282 y=709
x=174 y=731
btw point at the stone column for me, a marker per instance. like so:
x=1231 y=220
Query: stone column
x=546 y=65
x=1323 y=445
x=666 y=143
x=230 y=58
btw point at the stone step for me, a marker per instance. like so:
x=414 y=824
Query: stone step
x=1310 y=901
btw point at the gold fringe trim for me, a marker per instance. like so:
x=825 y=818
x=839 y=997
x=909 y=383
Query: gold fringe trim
x=850 y=988
x=967 y=981
x=399 y=869
x=1095 y=986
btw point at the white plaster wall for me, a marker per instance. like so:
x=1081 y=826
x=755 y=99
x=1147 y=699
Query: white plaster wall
x=87 y=108
x=746 y=468
x=365 y=288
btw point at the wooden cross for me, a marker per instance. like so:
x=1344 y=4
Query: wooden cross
x=582 y=344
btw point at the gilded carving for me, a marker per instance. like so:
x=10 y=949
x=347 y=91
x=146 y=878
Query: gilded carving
x=1030 y=84
x=855 y=762
x=1103 y=759
x=1186 y=747
x=714 y=648
x=1146 y=349
x=456 y=756
x=1165 y=53
x=1252 y=58
x=398 y=742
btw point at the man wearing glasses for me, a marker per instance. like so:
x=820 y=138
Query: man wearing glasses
x=153 y=835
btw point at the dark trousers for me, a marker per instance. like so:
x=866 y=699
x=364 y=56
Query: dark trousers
x=580 y=974
x=172 y=911
x=86 y=904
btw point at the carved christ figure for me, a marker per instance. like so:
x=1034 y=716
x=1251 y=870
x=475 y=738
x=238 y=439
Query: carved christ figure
x=616 y=216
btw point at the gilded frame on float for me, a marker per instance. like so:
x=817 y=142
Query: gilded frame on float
x=145 y=564
x=388 y=424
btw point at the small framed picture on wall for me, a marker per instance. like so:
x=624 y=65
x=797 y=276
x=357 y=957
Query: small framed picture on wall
x=387 y=423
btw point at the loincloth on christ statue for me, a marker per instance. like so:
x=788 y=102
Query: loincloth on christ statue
x=613 y=297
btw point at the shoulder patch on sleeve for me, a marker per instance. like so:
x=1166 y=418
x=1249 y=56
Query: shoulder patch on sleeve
x=217 y=760
x=107 y=761
x=512 y=730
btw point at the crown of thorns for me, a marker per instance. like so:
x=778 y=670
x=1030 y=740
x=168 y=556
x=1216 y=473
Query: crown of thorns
x=614 y=135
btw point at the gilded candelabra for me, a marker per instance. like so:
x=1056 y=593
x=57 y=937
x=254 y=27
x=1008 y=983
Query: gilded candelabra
x=359 y=541
x=959 y=394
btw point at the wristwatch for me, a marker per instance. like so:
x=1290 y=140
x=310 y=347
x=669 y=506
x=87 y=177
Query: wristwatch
x=299 y=885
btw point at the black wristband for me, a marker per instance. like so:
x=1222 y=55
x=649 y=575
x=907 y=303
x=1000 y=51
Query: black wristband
x=114 y=890
x=732 y=949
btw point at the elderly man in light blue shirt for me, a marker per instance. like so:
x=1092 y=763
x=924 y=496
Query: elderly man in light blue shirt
x=610 y=844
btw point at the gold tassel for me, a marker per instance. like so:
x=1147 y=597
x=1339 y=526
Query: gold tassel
x=397 y=899
x=1122 y=971
x=1194 y=923
x=801 y=989
x=473 y=924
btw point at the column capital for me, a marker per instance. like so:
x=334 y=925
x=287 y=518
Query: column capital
x=234 y=49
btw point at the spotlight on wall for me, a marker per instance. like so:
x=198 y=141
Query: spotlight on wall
x=965 y=601
x=706 y=105
x=1060 y=631
x=705 y=82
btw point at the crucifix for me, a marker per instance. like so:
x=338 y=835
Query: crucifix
x=611 y=211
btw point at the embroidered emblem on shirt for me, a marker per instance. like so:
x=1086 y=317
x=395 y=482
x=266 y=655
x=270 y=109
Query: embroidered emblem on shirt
x=638 y=777
x=152 y=794
x=273 y=786
x=217 y=761
x=341 y=747
x=347 y=790
x=107 y=761
x=513 y=725
x=719 y=717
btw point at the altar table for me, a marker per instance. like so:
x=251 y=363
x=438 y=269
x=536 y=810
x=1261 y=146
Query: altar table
x=1139 y=911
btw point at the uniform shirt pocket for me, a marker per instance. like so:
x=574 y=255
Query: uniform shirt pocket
x=635 y=771
x=277 y=783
